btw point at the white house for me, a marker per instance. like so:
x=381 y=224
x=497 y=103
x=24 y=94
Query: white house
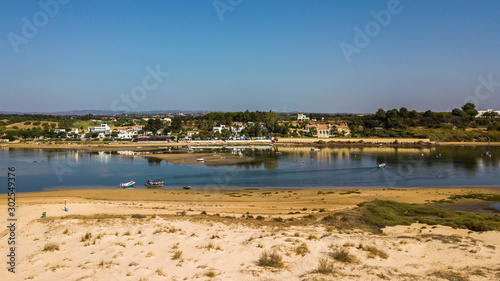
x=219 y=129
x=302 y=117
x=237 y=129
x=104 y=128
x=137 y=128
x=60 y=131
x=481 y=112
x=167 y=119
x=127 y=134
x=74 y=131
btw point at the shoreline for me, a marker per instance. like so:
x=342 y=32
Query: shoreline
x=312 y=142
x=252 y=199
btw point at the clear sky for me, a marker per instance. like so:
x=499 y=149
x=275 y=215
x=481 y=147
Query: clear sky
x=232 y=55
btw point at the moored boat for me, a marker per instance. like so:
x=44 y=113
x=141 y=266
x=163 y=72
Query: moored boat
x=186 y=187
x=315 y=149
x=381 y=165
x=154 y=184
x=127 y=185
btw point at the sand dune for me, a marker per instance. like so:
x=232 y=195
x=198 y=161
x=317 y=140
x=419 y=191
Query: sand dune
x=149 y=238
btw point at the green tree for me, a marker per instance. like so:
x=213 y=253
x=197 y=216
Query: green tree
x=380 y=114
x=176 y=124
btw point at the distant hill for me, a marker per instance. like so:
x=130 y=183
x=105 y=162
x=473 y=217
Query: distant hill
x=105 y=112
x=110 y=112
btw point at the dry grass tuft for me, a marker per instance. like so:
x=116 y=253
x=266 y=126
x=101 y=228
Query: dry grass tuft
x=177 y=255
x=325 y=266
x=50 y=247
x=374 y=252
x=302 y=249
x=270 y=259
x=161 y=273
x=343 y=256
x=449 y=275
x=210 y=274
x=86 y=237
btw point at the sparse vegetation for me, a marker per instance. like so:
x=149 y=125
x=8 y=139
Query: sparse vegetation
x=374 y=252
x=210 y=274
x=270 y=259
x=449 y=275
x=177 y=255
x=50 y=247
x=138 y=216
x=161 y=273
x=106 y=264
x=343 y=255
x=86 y=237
x=372 y=216
x=302 y=249
x=325 y=266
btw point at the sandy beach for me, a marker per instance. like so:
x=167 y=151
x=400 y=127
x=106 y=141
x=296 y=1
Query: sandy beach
x=214 y=234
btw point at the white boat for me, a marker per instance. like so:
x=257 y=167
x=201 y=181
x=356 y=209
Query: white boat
x=200 y=159
x=127 y=185
x=315 y=149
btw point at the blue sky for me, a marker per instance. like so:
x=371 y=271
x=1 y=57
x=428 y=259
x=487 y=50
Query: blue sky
x=257 y=55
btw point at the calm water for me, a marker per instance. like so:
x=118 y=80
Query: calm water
x=330 y=167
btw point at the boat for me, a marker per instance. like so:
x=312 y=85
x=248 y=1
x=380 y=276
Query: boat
x=154 y=184
x=200 y=159
x=381 y=165
x=127 y=185
x=315 y=149
x=186 y=187
x=278 y=153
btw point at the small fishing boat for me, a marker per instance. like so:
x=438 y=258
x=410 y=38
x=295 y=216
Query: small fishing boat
x=186 y=187
x=154 y=184
x=315 y=149
x=200 y=159
x=127 y=185
x=278 y=153
x=381 y=165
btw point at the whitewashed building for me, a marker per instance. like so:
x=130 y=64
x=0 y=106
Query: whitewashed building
x=481 y=112
x=219 y=129
x=127 y=134
x=302 y=117
x=104 y=128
